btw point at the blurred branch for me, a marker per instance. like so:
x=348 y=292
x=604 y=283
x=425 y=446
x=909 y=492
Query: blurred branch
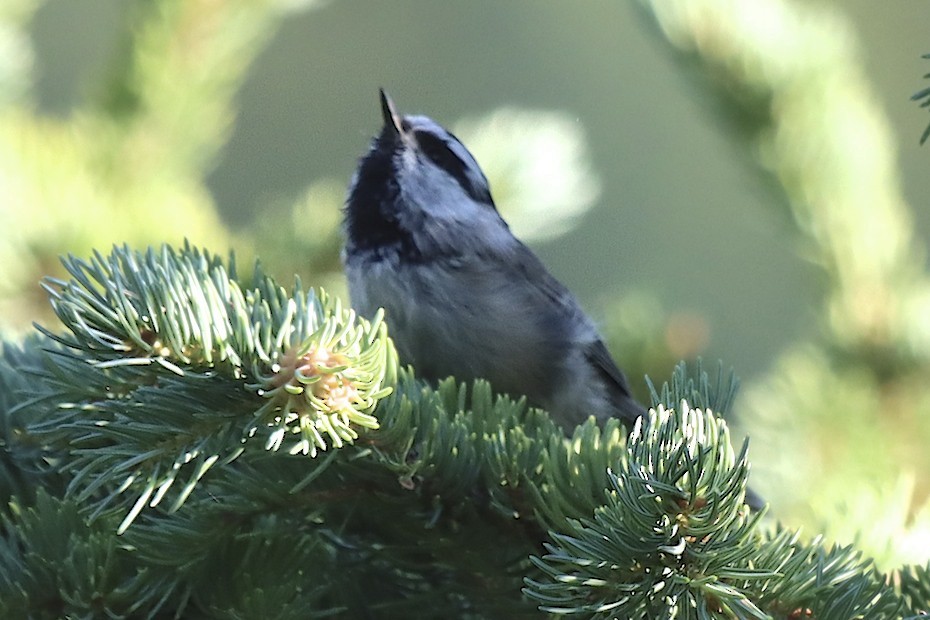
x=16 y=59
x=789 y=76
x=925 y=95
x=171 y=102
x=129 y=167
x=841 y=416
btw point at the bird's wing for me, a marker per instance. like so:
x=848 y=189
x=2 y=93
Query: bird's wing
x=564 y=308
x=617 y=385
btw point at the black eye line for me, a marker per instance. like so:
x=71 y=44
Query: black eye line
x=438 y=151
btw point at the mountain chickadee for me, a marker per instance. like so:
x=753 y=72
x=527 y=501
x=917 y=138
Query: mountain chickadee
x=462 y=296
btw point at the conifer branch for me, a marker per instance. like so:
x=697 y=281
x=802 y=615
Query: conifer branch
x=294 y=369
x=154 y=411
x=924 y=97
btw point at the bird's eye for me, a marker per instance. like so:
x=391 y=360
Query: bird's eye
x=452 y=157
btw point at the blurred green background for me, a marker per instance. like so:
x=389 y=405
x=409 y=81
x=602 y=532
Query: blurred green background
x=238 y=125
x=680 y=214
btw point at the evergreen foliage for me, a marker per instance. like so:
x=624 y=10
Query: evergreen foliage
x=165 y=475
x=191 y=442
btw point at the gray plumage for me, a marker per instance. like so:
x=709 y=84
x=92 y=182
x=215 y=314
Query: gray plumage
x=462 y=295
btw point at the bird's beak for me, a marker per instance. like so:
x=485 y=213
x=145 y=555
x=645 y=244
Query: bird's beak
x=391 y=118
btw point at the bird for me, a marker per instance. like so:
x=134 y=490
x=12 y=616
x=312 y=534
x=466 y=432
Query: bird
x=462 y=296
